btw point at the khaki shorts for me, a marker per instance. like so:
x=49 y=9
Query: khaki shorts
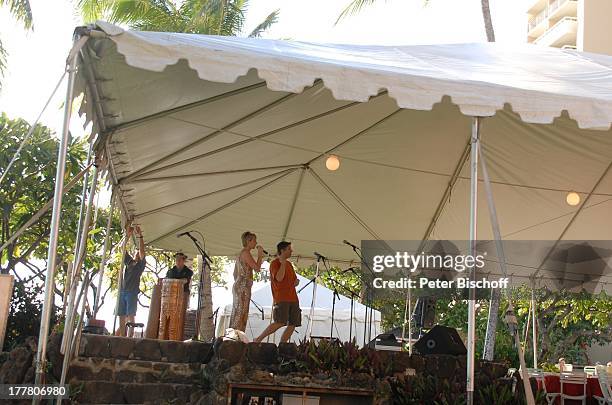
x=287 y=313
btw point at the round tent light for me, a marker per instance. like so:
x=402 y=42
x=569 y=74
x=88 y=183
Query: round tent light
x=572 y=198
x=332 y=163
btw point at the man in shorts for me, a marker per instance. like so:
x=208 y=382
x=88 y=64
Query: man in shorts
x=128 y=295
x=286 y=310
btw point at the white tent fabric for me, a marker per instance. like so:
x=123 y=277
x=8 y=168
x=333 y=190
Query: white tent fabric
x=321 y=319
x=223 y=135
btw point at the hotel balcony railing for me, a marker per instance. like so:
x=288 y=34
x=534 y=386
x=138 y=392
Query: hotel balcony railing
x=537 y=19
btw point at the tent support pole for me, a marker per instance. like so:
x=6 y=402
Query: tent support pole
x=77 y=242
x=41 y=354
x=533 y=321
x=510 y=318
x=471 y=336
x=78 y=264
x=408 y=319
x=104 y=250
x=120 y=279
x=295 y=197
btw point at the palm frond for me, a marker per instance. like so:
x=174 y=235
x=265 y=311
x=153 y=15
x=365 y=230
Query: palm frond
x=270 y=20
x=92 y=10
x=353 y=8
x=233 y=19
x=21 y=10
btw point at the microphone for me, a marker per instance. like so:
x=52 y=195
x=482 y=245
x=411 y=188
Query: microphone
x=182 y=234
x=346 y=242
x=320 y=256
x=265 y=251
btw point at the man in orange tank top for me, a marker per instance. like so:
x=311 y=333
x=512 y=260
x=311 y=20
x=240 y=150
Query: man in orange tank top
x=286 y=310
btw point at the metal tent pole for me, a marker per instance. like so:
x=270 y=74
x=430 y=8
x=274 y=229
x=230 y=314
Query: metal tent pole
x=471 y=337
x=78 y=264
x=534 y=333
x=41 y=354
x=409 y=318
x=120 y=279
x=67 y=356
x=104 y=250
x=77 y=243
x=510 y=317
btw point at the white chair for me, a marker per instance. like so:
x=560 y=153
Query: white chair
x=538 y=374
x=604 y=384
x=573 y=379
x=589 y=370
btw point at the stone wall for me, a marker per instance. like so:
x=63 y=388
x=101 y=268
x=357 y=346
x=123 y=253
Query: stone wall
x=122 y=370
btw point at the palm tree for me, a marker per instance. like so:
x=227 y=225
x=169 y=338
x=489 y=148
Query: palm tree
x=213 y=17
x=22 y=12
x=355 y=6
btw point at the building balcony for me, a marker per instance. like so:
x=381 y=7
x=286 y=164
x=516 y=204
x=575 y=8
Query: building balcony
x=535 y=6
x=562 y=8
x=560 y=34
x=537 y=24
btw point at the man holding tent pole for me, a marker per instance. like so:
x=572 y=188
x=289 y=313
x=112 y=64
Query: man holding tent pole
x=130 y=287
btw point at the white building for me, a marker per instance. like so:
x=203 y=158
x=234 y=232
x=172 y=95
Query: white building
x=576 y=24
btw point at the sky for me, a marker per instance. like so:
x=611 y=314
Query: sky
x=37 y=58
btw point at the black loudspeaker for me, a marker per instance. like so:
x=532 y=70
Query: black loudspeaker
x=441 y=340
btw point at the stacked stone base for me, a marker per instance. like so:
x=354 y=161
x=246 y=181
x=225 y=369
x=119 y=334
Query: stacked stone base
x=114 y=370
x=138 y=371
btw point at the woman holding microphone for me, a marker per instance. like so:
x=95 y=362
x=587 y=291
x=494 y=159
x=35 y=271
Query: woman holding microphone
x=243 y=280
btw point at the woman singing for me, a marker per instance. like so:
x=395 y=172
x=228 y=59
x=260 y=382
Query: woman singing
x=243 y=280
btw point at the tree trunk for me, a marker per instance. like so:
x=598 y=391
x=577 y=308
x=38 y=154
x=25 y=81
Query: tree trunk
x=207 y=324
x=488 y=22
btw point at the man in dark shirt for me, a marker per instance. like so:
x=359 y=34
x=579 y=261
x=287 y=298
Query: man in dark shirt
x=130 y=288
x=180 y=270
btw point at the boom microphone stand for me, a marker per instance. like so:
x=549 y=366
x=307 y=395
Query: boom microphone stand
x=352 y=294
x=366 y=331
x=314 y=292
x=206 y=259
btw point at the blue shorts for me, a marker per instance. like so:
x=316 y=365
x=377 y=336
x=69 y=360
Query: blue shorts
x=128 y=302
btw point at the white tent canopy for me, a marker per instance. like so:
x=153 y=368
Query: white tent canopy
x=322 y=317
x=223 y=135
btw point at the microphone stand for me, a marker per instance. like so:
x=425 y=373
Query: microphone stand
x=314 y=297
x=368 y=299
x=352 y=294
x=259 y=308
x=206 y=259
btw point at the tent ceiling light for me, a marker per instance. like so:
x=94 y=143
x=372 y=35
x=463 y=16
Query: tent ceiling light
x=572 y=198
x=332 y=163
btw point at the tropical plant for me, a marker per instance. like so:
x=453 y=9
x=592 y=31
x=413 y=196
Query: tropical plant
x=24 y=313
x=27 y=186
x=355 y=6
x=213 y=17
x=22 y=12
